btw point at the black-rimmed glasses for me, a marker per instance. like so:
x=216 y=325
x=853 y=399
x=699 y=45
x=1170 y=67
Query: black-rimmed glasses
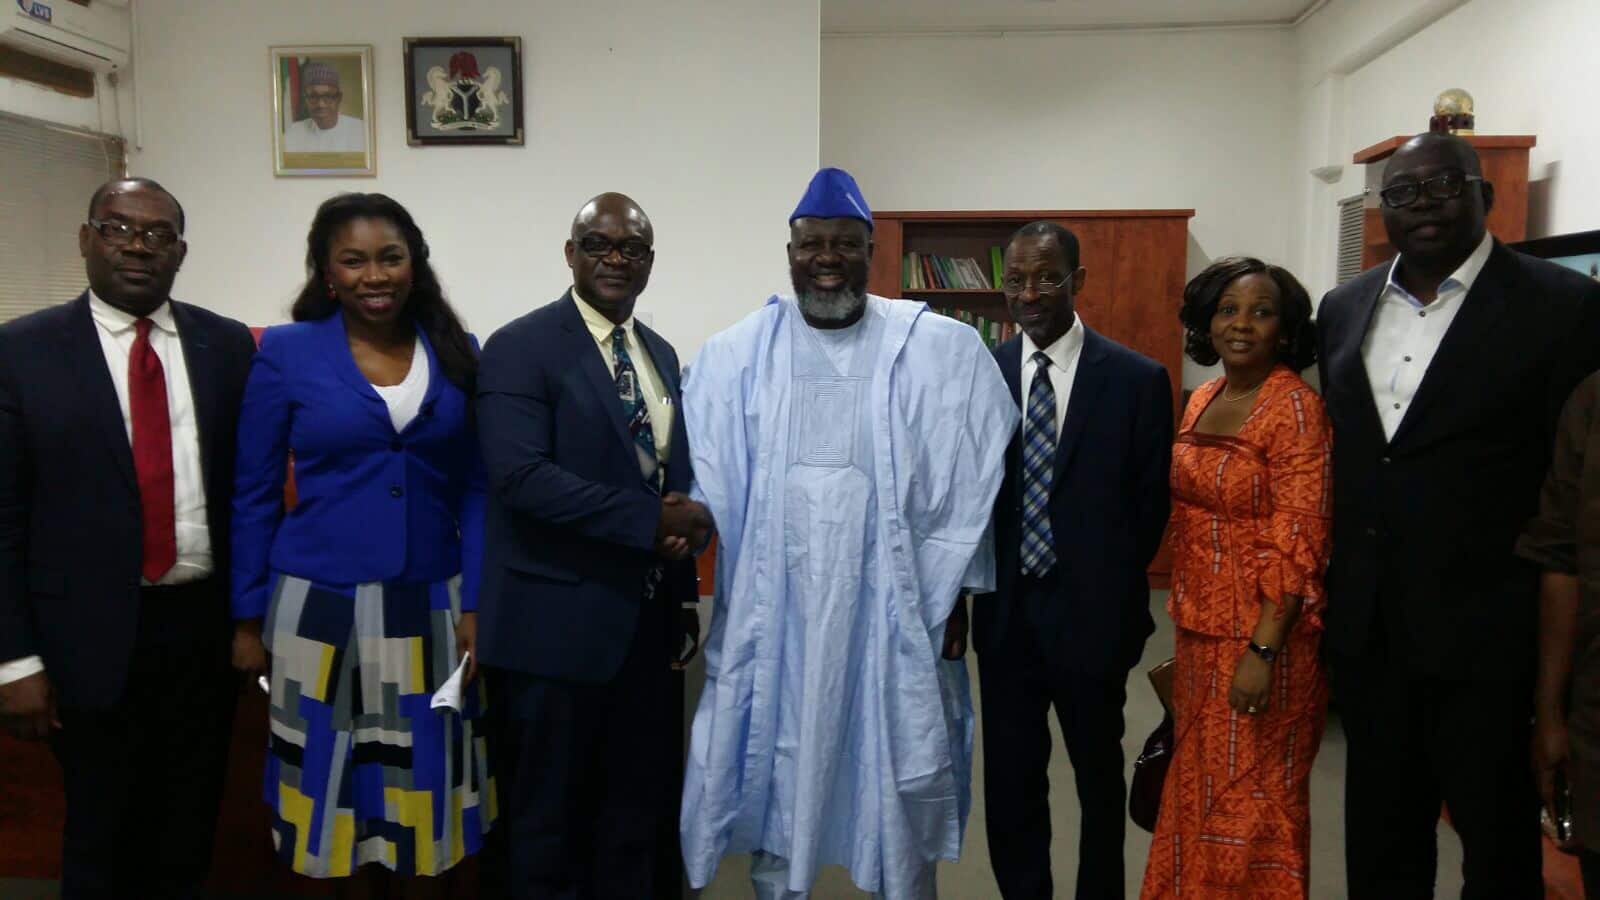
x=121 y=234
x=1444 y=186
x=599 y=246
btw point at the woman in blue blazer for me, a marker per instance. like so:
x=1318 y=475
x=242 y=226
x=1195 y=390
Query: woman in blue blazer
x=360 y=601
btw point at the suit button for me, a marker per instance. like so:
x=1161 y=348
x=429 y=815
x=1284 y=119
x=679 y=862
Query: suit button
x=1372 y=532
x=396 y=491
x=1387 y=460
x=397 y=445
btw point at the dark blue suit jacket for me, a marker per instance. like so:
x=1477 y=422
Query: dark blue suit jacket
x=71 y=525
x=571 y=525
x=1424 y=523
x=1108 y=509
x=373 y=505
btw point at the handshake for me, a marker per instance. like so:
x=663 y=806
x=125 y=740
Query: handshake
x=684 y=529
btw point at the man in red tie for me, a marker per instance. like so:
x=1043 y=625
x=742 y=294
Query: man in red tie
x=118 y=413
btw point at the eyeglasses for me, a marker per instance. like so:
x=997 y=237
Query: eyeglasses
x=599 y=246
x=121 y=234
x=1444 y=186
x=1014 y=285
x=332 y=97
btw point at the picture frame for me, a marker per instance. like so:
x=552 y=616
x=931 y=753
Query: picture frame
x=1578 y=251
x=323 y=121
x=463 y=90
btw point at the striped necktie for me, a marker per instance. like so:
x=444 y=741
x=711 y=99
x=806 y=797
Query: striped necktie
x=1038 y=470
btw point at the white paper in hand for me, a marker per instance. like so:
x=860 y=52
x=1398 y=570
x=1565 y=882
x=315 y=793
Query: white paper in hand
x=449 y=693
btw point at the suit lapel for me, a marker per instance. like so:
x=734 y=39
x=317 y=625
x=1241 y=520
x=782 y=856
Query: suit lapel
x=199 y=360
x=1346 y=365
x=336 y=349
x=595 y=371
x=1481 y=309
x=1086 y=388
x=81 y=342
x=1009 y=356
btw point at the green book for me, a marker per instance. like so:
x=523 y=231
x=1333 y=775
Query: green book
x=997 y=263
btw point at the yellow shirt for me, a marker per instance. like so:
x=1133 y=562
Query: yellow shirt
x=655 y=396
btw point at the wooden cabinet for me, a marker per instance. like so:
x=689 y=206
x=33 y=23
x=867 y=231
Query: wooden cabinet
x=1136 y=262
x=1505 y=165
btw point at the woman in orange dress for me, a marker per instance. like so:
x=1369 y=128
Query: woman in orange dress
x=1251 y=506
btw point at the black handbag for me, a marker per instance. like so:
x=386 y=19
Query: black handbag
x=1150 y=769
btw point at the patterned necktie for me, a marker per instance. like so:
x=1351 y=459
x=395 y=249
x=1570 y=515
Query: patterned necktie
x=1038 y=470
x=152 y=454
x=635 y=410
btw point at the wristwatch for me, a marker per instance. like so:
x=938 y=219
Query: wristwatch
x=1267 y=654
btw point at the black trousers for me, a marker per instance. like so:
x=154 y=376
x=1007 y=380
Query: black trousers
x=1416 y=743
x=1018 y=684
x=144 y=778
x=1589 y=862
x=585 y=776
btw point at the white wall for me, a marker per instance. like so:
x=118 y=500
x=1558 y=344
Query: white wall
x=704 y=111
x=1073 y=121
x=1531 y=65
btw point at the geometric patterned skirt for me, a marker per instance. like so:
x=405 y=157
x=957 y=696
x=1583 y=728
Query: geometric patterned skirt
x=360 y=769
x=1235 y=816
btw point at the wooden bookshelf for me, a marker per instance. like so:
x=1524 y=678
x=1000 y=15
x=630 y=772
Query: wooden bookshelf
x=1136 y=261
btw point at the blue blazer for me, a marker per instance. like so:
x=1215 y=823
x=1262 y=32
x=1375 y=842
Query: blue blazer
x=1108 y=508
x=571 y=526
x=373 y=505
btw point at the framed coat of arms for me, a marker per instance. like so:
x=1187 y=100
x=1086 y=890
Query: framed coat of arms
x=463 y=91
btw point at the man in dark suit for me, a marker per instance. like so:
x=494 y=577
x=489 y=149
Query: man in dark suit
x=1443 y=373
x=1078 y=520
x=586 y=569
x=118 y=412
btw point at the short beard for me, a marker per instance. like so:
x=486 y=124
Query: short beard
x=839 y=306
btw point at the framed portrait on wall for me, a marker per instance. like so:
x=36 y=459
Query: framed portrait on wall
x=322 y=111
x=463 y=91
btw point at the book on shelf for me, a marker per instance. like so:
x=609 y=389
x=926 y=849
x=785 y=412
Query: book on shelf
x=993 y=331
x=931 y=271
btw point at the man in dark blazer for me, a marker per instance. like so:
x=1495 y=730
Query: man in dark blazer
x=1443 y=372
x=586 y=569
x=118 y=413
x=1071 y=611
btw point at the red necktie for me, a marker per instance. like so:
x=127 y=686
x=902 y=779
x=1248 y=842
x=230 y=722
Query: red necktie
x=152 y=454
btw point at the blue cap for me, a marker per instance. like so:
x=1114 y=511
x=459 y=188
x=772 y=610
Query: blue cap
x=833 y=194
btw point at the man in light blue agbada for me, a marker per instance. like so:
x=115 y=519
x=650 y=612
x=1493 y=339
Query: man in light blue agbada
x=850 y=449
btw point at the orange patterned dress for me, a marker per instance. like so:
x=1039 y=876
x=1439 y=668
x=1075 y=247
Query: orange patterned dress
x=1250 y=521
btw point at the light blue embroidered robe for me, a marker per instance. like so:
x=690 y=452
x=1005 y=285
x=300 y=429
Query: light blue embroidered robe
x=852 y=492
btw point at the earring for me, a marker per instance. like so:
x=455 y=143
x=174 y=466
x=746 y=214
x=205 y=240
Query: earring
x=332 y=294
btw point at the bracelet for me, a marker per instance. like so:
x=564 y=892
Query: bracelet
x=1266 y=653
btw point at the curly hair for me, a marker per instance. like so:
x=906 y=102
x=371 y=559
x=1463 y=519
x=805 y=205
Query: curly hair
x=426 y=305
x=1202 y=294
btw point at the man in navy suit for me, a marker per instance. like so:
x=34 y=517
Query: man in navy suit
x=587 y=570
x=1444 y=372
x=118 y=414
x=1078 y=520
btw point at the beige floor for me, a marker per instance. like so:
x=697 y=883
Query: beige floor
x=972 y=879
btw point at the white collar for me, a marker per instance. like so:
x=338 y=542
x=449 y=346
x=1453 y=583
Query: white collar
x=599 y=326
x=115 y=320
x=1463 y=277
x=1063 y=352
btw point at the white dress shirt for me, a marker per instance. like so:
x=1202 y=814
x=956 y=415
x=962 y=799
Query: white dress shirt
x=117 y=332
x=1405 y=333
x=405 y=399
x=655 y=396
x=1063 y=355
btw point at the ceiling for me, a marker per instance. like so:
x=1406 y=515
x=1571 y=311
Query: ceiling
x=955 y=16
